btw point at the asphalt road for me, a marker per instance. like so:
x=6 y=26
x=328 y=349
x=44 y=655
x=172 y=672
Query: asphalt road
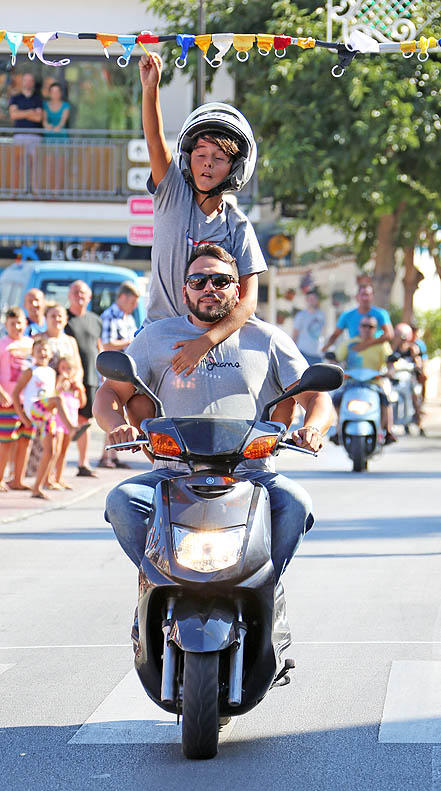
x=363 y=710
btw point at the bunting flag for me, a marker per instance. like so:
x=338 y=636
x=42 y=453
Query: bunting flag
x=358 y=43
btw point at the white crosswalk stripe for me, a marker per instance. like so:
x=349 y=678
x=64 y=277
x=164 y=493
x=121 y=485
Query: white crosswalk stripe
x=128 y=716
x=412 y=709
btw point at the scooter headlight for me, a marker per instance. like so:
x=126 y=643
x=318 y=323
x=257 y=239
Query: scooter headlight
x=207 y=550
x=359 y=407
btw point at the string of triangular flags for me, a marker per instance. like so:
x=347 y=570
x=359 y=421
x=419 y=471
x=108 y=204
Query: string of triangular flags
x=243 y=43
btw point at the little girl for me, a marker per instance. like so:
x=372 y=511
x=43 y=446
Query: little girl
x=73 y=393
x=38 y=410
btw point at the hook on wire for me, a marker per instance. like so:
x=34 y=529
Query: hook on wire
x=345 y=58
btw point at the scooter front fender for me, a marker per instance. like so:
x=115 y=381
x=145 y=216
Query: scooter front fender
x=358 y=428
x=200 y=632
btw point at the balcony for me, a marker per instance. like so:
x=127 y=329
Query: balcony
x=88 y=165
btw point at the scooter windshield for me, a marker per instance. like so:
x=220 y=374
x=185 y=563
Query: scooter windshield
x=211 y=435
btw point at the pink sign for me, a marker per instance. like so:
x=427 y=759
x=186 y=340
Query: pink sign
x=141 y=235
x=140 y=205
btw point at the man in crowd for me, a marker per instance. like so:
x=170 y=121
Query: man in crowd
x=350 y=320
x=308 y=328
x=118 y=331
x=35 y=307
x=237 y=377
x=85 y=326
x=26 y=108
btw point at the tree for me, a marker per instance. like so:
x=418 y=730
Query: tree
x=361 y=153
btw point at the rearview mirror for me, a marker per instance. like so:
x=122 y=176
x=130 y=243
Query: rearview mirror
x=117 y=365
x=320 y=377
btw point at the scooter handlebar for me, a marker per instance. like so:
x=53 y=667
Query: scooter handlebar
x=289 y=444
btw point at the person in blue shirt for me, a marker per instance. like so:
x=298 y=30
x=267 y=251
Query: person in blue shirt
x=55 y=113
x=350 y=320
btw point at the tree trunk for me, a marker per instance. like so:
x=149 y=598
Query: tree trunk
x=384 y=272
x=411 y=279
x=434 y=251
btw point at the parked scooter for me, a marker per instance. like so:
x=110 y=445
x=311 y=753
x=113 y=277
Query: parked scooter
x=211 y=619
x=359 y=425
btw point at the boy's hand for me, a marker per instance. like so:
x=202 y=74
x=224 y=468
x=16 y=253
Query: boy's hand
x=190 y=354
x=150 y=68
x=308 y=437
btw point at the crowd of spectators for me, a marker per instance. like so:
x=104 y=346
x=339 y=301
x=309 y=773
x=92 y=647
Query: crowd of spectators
x=48 y=380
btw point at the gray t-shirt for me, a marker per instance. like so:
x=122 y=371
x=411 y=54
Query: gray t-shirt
x=179 y=226
x=310 y=325
x=237 y=377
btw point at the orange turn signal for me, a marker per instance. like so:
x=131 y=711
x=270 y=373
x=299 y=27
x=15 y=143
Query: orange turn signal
x=260 y=447
x=164 y=445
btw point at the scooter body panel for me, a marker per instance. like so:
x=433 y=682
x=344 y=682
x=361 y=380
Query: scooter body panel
x=360 y=390
x=204 y=616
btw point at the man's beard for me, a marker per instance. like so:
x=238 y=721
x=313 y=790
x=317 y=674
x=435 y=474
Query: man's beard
x=212 y=313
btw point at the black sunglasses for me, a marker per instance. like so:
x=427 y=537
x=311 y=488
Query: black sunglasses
x=365 y=324
x=220 y=281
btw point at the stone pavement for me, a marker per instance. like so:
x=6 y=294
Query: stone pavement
x=20 y=505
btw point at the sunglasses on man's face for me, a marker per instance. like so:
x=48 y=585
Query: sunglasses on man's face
x=197 y=281
x=365 y=324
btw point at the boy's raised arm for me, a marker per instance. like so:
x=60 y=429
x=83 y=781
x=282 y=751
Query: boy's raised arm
x=150 y=68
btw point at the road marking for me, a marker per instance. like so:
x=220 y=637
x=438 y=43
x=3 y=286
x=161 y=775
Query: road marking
x=412 y=709
x=47 y=647
x=128 y=716
x=297 y=642
x=4 y=668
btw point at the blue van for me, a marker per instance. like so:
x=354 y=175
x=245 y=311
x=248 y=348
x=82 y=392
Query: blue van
x=55 y=277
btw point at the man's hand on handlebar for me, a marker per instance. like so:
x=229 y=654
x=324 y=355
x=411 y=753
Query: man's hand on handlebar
x=123 y=433
x=308 y=437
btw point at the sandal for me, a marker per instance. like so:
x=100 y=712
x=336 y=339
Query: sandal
x=86 y=472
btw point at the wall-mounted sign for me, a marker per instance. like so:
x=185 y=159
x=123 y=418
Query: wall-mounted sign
x=140 y=235
x=137 y=151
x=136 y=178
x=139 y=204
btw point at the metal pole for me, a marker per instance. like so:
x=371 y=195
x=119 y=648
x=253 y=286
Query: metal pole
x=200 y=92
x=329 y=21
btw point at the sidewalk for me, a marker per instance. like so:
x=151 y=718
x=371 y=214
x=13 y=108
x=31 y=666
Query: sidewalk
x=20 y=505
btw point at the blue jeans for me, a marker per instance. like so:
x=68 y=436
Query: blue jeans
x=130 y=506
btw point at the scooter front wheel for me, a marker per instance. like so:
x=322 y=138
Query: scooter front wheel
x=358 y=454
x=200 y=705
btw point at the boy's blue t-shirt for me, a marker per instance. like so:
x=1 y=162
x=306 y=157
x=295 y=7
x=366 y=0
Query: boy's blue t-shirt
x=179 y=226
x=350 y=320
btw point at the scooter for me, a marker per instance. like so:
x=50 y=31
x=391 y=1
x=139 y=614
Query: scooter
x=359 y=424
x=405 y=390
x=211 y=619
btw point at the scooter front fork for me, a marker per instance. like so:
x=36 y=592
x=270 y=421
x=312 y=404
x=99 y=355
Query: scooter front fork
x=168 y=659
x=236 y=662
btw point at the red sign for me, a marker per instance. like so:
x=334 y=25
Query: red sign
x=141 y=235
x=140 y=205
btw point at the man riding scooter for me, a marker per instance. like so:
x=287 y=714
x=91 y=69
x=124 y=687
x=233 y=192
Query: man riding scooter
x=359 y=353
x=236 y=378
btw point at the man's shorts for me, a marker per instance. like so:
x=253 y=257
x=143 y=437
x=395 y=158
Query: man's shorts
x=86 y=410
x=43 y=419
x=11 y=427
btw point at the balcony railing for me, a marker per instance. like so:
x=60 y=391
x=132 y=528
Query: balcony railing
x=87 y=165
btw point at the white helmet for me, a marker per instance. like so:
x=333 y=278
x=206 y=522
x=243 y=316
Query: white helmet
x=216 y=118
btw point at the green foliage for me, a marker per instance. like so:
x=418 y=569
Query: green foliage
x=429 y=322
x=395 y=313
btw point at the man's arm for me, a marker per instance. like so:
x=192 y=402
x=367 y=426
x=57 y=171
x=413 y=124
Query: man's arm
x=332 y=338
x=108 y=410
x=191 y=352
x=387 y=335
x=318 y=417
x=150 y=68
